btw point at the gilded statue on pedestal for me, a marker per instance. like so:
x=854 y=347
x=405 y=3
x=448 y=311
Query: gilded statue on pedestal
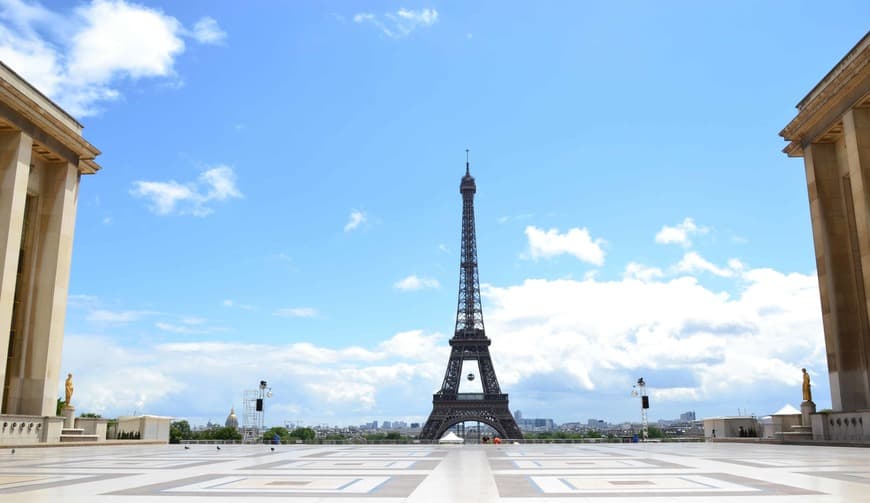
x=808 y=394
x=69 y=389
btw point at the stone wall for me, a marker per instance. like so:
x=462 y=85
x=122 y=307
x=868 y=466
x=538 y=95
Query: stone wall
x=93 y=426
x=842 y=426
x=21 y=429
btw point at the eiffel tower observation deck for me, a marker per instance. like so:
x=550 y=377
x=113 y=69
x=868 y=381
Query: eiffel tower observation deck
x=469 y=344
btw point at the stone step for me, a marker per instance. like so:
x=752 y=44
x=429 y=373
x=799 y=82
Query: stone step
x=72 y=431
x=79 y=437
x=795 y=436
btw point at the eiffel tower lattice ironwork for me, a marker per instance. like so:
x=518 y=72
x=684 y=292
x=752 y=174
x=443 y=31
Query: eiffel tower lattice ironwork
x=469 y=343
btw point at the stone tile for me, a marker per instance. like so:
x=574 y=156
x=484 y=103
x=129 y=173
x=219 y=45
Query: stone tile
x=686 y=473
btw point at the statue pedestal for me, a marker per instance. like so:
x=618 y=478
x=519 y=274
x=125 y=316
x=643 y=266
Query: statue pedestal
x=69 y=416
x=808 y=408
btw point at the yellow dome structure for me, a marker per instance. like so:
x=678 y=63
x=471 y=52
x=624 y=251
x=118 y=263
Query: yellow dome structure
x=232 y=421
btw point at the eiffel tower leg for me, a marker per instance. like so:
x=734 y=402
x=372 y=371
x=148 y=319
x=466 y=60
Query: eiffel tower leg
x=488 y=377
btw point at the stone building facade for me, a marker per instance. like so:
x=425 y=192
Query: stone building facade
x=42 y=158
x=831 y=132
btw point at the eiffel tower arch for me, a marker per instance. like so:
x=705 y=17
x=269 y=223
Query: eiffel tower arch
x=469 y=343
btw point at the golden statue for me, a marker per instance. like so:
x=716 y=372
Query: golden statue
x=69 y=389
x=808 y=394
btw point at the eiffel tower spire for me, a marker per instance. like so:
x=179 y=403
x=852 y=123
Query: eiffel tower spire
x=469 y=343
x=469 y=312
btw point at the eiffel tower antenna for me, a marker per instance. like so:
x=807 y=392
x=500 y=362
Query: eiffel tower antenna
x=469 y=343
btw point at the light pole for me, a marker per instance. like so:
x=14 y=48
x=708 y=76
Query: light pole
x=265 y=392
x=640 y=390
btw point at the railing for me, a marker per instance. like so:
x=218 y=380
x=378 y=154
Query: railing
x=412 y=441
x=471 y=396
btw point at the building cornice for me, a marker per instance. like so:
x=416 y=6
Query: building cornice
x=30 y=110
x=847 y=85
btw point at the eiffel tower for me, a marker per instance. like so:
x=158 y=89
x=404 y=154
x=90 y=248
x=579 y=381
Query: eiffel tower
x=469 y=343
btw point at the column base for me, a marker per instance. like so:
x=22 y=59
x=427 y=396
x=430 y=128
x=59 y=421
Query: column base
x=808 y=408
x=69 y=416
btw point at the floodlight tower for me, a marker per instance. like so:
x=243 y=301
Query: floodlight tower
x=254 y=415
x=265 y=392
x=640 y=390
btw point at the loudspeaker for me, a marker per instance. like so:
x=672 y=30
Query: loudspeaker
x=644 y=400
x=260 y=404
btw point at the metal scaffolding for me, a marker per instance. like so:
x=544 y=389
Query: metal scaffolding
x=254 y=401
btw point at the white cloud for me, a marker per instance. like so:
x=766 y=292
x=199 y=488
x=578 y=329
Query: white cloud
x=356 y=219
x=557 y=344
x=107 y=316
x=693 y=263
x=79 y=57
x=577 y=242
x=401 y=23
x=363 y=16
x=508 y=218
x=641 y=272
x=680 y=233
x=167 y=198
x=234 y=304
x=177 y=329
x=195 y=379
x=297 y=312
x=593 y=331
x=207 y=31
x=77 y=300
x=188 y=326
x=413 y=282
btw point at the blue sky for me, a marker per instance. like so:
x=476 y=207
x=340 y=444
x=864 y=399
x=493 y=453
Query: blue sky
x=279 y=200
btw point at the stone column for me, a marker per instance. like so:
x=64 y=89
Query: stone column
x=856 y=139
x=57 y=213
x=836 y=245
x=15 y=149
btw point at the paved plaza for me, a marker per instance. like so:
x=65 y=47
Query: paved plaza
x=418 y=473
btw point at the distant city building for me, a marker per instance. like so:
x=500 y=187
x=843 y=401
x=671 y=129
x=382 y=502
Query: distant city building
x=387 y=425
x=596 y=423
x=518 y=414
x=415 y=425
x=687 y=416
x=535 y=424
x=232 y=421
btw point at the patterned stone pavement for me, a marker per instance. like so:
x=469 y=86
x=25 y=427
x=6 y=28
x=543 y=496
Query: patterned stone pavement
x=423 y=473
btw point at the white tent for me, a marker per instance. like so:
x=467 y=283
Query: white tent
x=451 y=438
x=786 y=409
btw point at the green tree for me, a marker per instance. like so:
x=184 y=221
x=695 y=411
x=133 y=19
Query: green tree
x=281 y=431
x=225 y=433
x=91 y=414
x=655 y=432
x=60 y=403
x=178 y=431
x=306 y=434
